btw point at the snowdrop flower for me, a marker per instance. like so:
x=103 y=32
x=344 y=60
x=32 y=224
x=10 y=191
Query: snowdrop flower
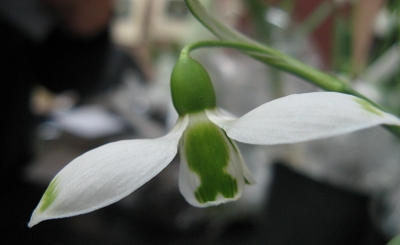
x=212 y=170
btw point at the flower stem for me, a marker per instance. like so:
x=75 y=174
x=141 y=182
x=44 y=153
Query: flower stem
x=284 y=62
x=269 y=56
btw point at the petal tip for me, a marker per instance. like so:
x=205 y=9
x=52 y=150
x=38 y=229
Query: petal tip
x=35 y=219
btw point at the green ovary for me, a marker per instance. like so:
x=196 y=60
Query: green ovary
x=207 y=154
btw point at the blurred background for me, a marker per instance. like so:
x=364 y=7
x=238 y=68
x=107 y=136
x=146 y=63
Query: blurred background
x=76 y=74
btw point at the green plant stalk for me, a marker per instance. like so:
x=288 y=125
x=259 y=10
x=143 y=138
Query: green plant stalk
x=233 y=39
x=284 y=62
x=220 y=30
x=265 y=54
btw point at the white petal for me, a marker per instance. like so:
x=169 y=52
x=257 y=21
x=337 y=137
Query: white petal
x=303 y=117
x=106 y=174
x=208 y=179
x=249 y=178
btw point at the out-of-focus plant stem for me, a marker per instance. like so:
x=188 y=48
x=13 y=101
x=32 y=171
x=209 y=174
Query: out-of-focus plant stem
x=317 y=17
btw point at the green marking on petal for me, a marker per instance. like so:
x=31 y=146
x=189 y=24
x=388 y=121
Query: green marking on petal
x=49 y=195
x=207 y=154
x=368 y=107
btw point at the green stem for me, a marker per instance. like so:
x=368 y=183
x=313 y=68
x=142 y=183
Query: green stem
x=269 y=56
x=293 y=66
x=279 y=60
x=265 y=54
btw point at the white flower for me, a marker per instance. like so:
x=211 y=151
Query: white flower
x=212 y=170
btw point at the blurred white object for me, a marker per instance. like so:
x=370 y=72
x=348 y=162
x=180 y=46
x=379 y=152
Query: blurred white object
x=127 y=26
x=278 y=17
x=89 y=122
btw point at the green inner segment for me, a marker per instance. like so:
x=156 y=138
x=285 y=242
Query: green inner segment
x=207 y=154
x=49 y=195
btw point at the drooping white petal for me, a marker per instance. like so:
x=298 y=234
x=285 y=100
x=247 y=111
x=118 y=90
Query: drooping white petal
x=303 y=117
x=211 y=169
x=248 y=176
x=106 y=174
